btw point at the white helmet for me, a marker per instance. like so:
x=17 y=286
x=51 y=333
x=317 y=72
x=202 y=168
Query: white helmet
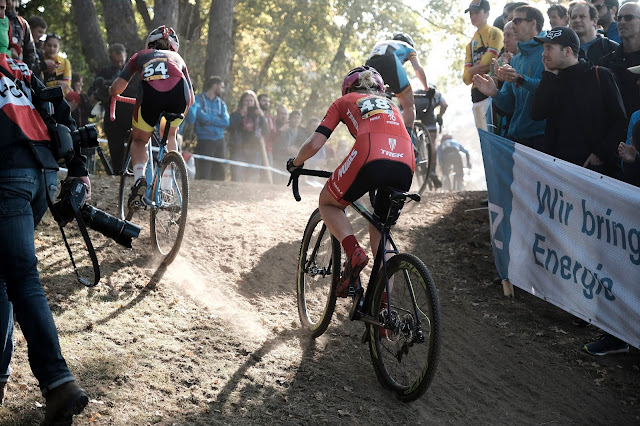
x=164 y=33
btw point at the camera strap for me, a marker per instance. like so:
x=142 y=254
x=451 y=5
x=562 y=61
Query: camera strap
x=83 y=230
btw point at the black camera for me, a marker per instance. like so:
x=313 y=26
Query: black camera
x=72 y=199
x=63 y=140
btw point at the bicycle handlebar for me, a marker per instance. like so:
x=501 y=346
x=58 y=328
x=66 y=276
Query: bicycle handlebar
x=112 y=106
x=304 y=172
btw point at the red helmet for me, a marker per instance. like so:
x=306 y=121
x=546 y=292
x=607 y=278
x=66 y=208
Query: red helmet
x=165 y=33
x=354 y=74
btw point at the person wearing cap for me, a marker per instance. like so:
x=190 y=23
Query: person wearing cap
x=573 y=91
x=627 y=55
x=594 y=47
x=521 y=77
x=607 y=18
x=485 y=46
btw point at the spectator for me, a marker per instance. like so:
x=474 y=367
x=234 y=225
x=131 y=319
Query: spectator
x=501 y=20
x=510 y=48
x=21 y=37
x=61 y=76
x=38 y=29
x=573 y=91
x=388 y=58
x=558 y=16
x=246 y=126
x=485 y=46
x=211 y=119
x=521 y=78
x=594 y=47
x=295 y=135
x=512 y=7
x=265 y=105
x=630 y=155
x=116 y=131
x=627 y=55
x=499 y=120
x=78 y=101
x=607 y=14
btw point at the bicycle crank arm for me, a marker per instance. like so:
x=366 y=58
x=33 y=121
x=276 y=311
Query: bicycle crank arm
x=369 y=320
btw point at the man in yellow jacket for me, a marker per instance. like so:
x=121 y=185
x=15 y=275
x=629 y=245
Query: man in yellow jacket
x=485 y=45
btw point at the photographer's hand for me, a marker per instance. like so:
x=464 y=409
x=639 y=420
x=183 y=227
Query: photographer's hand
x=86 y=181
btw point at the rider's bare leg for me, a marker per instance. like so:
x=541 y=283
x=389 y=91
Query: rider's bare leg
x=139 y=154
x=333 y=216
x=408 y=107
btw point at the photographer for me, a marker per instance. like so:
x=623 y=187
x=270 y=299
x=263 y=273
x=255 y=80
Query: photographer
x=28 y=176
x=116 y=131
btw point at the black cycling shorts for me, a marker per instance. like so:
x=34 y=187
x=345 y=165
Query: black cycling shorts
x=376 y=174
x=391 y=70
x=152 y=103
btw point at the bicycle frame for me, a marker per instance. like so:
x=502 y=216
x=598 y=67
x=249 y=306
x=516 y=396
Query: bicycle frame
x=380 y=258
x=152 y=175
x=380 y=262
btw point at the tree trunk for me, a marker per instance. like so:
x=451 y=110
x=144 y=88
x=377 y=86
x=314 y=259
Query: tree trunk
x=143 y=10
x=121 y=26
x=165 y=12
x=220 y=41
x=190 y=21
x=86 y=19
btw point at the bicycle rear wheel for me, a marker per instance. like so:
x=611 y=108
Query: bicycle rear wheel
x=423 y=156
x=318 y=274
x=405 y=356
x=126 y=182
x=169 y=215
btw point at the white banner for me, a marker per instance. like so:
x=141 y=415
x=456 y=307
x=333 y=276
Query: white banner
x=565 y=234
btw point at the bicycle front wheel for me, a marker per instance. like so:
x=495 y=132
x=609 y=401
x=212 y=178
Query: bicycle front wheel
x=126 y=182
x=169 y=215
x=405 y=353
x=318 y=274
x=423 y=156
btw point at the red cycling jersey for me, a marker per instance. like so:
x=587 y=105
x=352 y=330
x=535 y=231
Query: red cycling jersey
x=378 y=127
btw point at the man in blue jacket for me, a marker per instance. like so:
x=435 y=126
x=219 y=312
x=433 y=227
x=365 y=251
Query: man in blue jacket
x=521 y=78
x=211 y=119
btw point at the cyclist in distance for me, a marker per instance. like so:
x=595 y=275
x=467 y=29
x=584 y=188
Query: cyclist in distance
x=388 y=57
x=449 y=156
x=165 y=86
x=381 y=156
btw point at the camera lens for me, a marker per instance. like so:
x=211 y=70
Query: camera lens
x=122 y=232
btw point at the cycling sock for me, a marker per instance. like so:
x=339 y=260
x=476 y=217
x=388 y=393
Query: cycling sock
x=165 y=182
x=138 y=171
x=349 y=245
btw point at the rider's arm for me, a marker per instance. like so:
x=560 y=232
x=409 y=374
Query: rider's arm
x=118 y=86
x=185 y=71
x=415 y=62
x=310 y=148
x=443 y=106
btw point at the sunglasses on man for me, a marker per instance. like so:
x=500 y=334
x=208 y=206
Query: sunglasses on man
x=627 y=18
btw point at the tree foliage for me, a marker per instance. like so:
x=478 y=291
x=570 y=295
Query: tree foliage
x=297 y=51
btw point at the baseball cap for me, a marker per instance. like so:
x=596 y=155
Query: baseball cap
x=564 y=36
x=478 y=5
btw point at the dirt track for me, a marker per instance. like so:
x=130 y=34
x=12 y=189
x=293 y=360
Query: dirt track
x=218 y=340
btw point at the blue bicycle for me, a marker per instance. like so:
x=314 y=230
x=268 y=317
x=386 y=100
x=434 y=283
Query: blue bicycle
x=166 y=199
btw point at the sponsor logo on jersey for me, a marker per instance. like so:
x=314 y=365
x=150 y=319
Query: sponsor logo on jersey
x=353 y=119
x=343 y=169
x=392 y=154
x=392 y=144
